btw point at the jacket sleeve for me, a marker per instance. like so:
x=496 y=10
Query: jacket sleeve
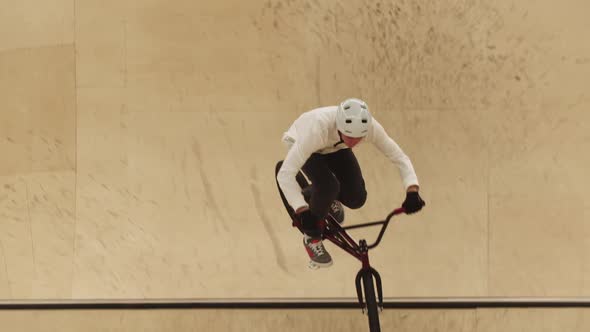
x=299 y=152
x=394 y=153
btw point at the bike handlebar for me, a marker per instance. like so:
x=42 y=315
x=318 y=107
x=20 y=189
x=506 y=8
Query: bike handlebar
x=385 y=223
x=395 y=212
x=381 y=222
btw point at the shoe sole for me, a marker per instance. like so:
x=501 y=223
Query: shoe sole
x=315 y=265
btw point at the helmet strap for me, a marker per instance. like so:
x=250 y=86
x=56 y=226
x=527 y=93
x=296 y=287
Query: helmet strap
x=341 y=140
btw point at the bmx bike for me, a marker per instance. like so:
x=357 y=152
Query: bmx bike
x=372 y=301
x=372 y=291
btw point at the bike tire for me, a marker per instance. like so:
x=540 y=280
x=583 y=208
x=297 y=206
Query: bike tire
x=371 y=302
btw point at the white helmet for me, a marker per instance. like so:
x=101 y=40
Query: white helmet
x=353 y=118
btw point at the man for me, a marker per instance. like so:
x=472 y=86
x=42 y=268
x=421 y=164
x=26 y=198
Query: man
x=320 y=144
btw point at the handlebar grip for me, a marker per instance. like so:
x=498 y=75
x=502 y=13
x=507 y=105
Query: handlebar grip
x=399 y=211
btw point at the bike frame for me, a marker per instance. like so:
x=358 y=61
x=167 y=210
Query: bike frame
x=337 y=234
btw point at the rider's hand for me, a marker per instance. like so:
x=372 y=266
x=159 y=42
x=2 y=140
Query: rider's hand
x=307 y=218
x=413 y=202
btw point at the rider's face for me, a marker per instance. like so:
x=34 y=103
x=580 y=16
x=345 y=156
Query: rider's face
x=350 y=141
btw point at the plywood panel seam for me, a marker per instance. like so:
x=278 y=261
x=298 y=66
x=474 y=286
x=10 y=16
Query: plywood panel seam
x=30 y=224
x=75 y=189
x=5 y=267
x=488 y=224
x=38 y=47
x=125 y=58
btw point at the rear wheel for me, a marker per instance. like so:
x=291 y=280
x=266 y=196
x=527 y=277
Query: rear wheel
x=371 y=301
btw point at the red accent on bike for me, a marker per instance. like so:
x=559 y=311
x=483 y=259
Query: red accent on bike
x=398 y=211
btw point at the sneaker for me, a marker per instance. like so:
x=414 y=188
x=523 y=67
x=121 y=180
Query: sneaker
x=336 y=208
x=317 y=252
x=337 y=211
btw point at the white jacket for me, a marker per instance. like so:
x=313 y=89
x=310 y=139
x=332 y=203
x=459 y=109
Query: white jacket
x=315 y=132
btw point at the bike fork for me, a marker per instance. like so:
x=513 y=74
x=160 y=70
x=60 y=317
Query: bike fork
x=379 y=288
x=371 y=273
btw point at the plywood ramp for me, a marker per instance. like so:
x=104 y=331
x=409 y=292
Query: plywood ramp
x=138 y=142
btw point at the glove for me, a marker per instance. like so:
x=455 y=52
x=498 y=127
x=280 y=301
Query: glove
x=308 y=219
x=309 y=223
x=413 y=202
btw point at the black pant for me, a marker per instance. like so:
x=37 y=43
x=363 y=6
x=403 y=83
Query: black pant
x=334 y=176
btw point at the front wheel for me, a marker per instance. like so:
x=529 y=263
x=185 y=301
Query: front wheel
x=371 y=301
